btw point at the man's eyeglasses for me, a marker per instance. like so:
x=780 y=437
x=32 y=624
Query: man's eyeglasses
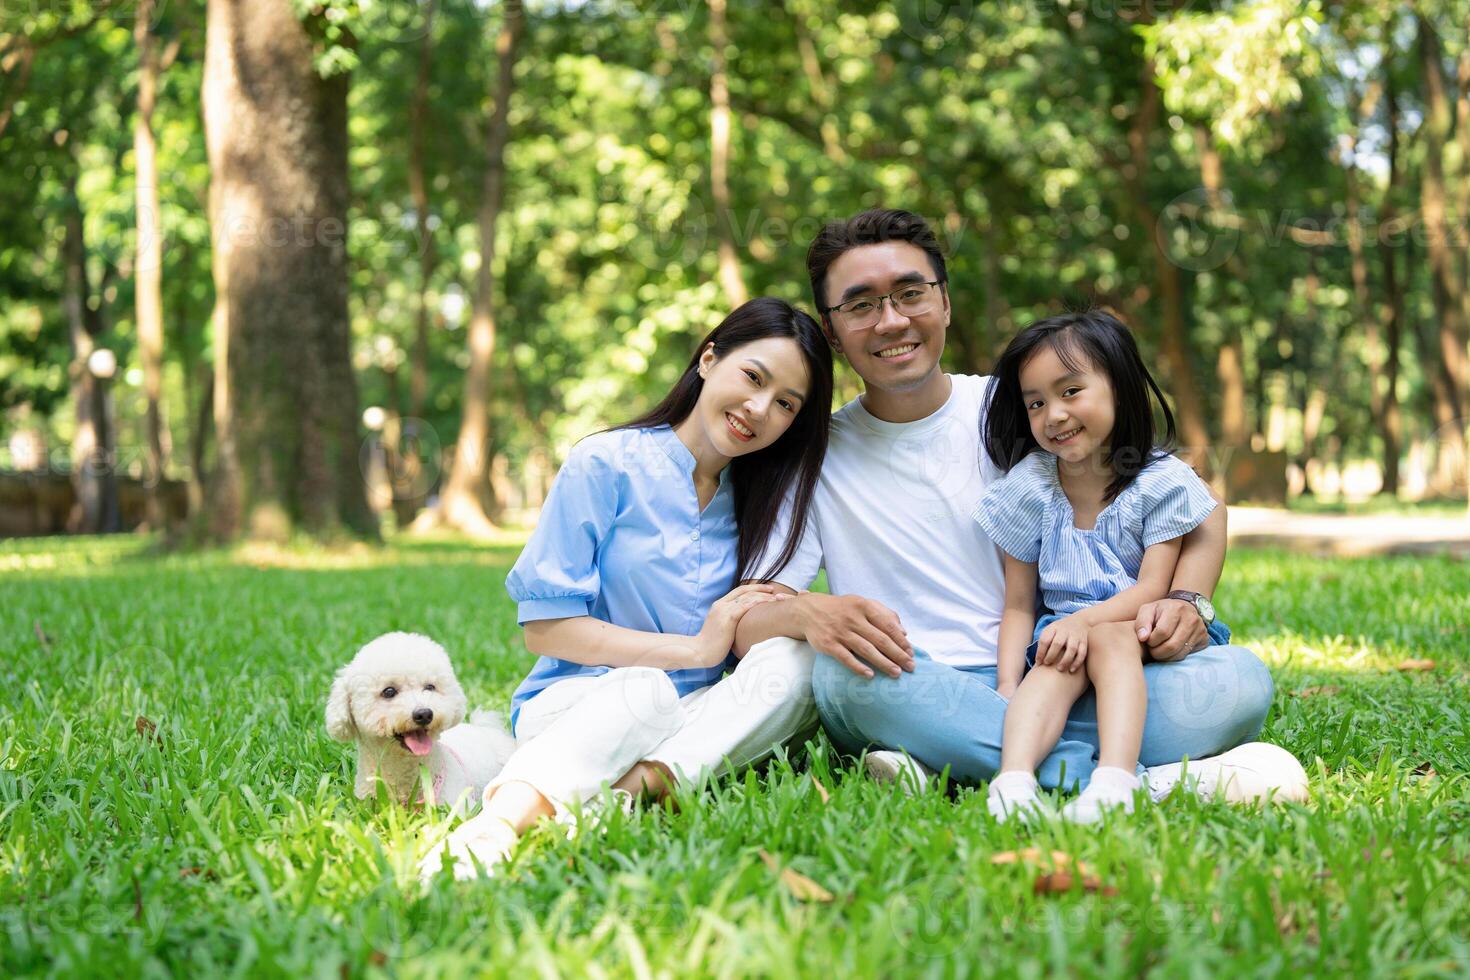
x=910 y=299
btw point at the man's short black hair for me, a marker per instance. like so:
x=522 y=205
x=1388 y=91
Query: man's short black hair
x=868 y=228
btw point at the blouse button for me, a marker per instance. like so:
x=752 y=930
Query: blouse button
x=693 y=535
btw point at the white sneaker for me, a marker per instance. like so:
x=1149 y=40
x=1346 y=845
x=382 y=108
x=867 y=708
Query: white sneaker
x=911 y=775
x=478 y=847
x=1250 y=772
x=1015 y=795
x=1110 y=788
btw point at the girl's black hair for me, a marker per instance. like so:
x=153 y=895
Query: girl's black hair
x=762 y=480
x=1088 y=337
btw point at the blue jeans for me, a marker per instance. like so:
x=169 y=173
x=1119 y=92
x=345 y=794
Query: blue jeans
x=1200 y=706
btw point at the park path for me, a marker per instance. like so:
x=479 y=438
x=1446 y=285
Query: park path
x=1350 y=534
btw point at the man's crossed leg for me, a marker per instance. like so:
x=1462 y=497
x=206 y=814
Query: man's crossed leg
x=1199 y=707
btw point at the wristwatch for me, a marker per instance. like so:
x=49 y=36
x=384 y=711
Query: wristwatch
x=1202 y=604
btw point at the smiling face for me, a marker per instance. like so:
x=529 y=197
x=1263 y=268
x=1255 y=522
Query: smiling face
x=750 y=396
x=1070 y=409
x=899 y=353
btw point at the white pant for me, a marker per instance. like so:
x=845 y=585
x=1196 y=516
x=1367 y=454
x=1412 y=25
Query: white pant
x=583 y=732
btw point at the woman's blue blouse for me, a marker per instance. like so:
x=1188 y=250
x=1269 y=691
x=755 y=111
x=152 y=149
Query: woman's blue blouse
x=622 y=539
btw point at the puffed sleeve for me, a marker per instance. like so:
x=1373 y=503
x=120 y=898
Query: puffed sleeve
x=806 y=561
x=556 y=576
x=1013 y=511
x=1172 y=500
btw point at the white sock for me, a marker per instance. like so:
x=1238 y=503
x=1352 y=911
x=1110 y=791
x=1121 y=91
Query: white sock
x=1013 y=793
x=1109 y=788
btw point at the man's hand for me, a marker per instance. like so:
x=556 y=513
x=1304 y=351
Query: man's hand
x=1171 y=629
x=856 y=632
x=1063 y=644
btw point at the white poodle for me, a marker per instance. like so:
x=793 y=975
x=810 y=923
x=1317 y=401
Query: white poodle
x=399 y=700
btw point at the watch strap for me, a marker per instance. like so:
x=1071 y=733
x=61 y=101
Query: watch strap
x=1194 y=599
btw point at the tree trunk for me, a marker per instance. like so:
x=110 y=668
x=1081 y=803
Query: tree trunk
x=719 y=94
x=148 y=267
x=418 y=185
x=461 y=505
x=93 y=450
x=198 y=440
x=1173 y=341
x=286 y=398
x=1391 y=311
x=1229 y=370
x=821 y=88
x=1448 y=286
x=998 y=319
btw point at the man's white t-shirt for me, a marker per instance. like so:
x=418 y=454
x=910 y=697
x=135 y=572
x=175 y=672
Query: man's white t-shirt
x=891 y=521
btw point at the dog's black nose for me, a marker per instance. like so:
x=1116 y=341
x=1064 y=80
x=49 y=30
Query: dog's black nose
x=422 y=716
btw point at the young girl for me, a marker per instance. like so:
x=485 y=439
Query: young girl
x=626 y=590
x=1092 y=507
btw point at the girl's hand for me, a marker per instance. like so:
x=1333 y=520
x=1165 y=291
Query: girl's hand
x=1063 y=644
x=714 y=641
x=1007 y=689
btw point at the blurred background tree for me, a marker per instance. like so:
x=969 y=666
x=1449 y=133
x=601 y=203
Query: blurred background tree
x=543 y=207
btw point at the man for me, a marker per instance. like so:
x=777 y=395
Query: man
x=908 y=635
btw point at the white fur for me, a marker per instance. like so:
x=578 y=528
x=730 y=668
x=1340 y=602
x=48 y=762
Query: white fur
x=465 y=755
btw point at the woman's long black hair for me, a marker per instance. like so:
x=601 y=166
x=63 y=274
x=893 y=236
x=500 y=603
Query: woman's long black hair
x=763 y=480
x=1091 y=336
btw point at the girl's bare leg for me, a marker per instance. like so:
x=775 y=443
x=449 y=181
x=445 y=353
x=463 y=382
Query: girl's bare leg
x=1115 y=667
x=1036 y=715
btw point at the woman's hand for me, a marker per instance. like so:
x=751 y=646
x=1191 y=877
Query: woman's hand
x=1063 y=644
x=715 y=640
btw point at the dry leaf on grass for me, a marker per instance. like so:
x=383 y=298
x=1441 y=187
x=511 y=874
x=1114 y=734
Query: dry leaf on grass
x=204 y=873
x=41 y=634
x=1057 y=882
x=146 y=728
x=1315 y=690
x=1410 y=666
x=1036 y=856
x=802 y=888
x=1425 y=769
x=821 y=790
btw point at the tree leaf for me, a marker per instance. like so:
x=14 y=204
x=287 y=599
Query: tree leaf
x=802 y=888
x=1411 y=665
x=1058 y=882
x=1315 y=690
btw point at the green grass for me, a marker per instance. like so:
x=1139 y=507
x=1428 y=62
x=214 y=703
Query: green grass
x=231 y=842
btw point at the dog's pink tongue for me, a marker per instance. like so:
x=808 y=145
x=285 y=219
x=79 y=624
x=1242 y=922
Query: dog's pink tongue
x=419 y=743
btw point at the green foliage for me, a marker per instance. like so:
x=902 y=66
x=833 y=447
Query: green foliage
x=229 y=839
x=1008 y=125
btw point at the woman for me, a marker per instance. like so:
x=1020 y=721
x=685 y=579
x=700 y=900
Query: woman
x=626 y=590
